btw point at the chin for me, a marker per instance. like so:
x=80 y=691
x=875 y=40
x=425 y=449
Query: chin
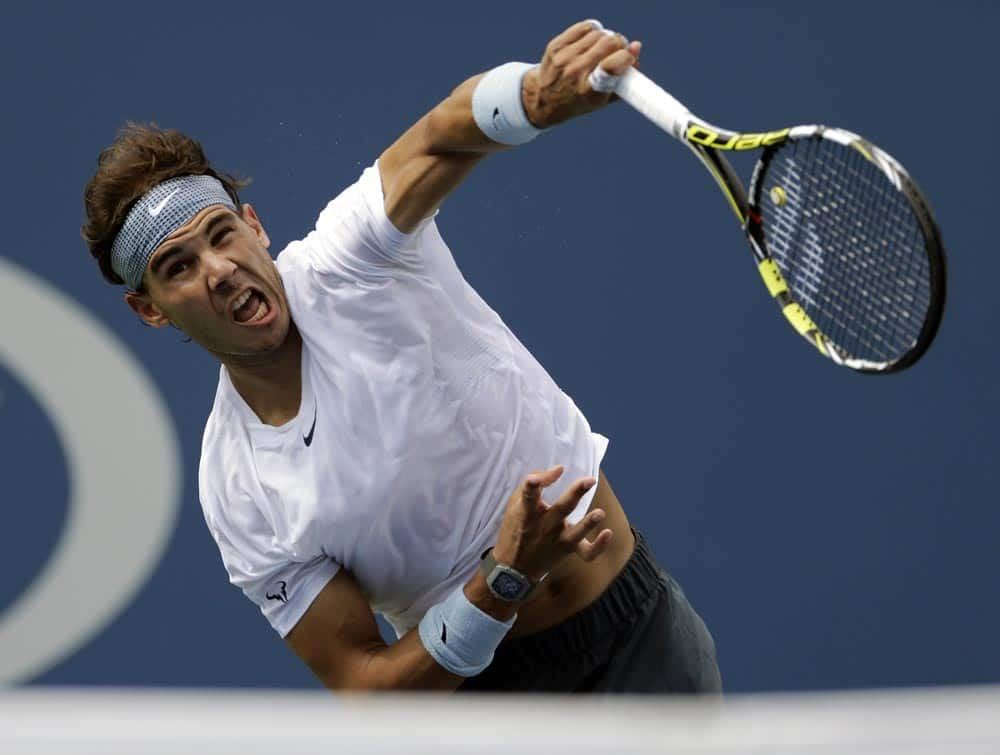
x=263 y=345
x=262 y=348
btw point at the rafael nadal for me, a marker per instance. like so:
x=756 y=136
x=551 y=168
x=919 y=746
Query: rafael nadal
x=380 y=442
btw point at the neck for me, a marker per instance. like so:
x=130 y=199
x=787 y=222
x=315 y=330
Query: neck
x=271 y=384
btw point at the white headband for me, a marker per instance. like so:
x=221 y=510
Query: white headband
x=161 y=211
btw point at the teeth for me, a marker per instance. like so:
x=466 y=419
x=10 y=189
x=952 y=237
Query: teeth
x=261 y=311
x=241 y=300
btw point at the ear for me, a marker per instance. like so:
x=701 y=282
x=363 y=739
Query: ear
x=251 y=219
x=146 y=309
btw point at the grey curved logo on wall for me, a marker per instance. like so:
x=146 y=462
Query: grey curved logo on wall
x=124 y=470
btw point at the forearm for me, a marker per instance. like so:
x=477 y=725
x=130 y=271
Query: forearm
x=484 y=114
x=450 y=128
x=407 y=665
x=432 y=158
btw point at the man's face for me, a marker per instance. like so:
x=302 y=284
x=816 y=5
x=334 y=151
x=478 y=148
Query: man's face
x=214 y=279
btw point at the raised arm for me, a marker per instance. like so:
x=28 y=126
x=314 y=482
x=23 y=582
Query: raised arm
x=433 y=157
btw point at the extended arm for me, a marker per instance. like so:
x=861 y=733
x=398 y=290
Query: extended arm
x=433 y=157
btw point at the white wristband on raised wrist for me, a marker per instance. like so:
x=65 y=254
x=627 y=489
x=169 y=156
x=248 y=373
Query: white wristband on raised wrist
x=497 y=105
x=459 y=636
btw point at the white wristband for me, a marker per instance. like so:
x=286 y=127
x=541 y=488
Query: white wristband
x=497 y=105
x=459 y=636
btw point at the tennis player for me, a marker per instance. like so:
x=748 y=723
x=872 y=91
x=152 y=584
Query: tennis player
x=380 y=441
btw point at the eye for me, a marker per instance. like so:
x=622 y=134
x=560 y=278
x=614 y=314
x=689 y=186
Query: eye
x=219 y=237
x=177 y=267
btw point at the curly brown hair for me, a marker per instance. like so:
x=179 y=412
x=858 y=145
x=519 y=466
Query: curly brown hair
x=141 y=156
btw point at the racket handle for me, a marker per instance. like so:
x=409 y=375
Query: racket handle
x=646 y=96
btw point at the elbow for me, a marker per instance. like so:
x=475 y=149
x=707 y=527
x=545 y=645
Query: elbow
x=434 y=131
x=376 y=673
x=369 y=673
x=449 y=127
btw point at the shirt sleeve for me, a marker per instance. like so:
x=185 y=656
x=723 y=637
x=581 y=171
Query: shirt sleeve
x=355 y=238
x=282 y=584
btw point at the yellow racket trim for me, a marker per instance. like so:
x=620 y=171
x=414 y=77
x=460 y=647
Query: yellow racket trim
x=773 y=279
x=798 y=318
x=804 y=325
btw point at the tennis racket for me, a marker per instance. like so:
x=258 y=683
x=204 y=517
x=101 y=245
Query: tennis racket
x=843 y=239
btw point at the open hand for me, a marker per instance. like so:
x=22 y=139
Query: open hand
x=535 y=536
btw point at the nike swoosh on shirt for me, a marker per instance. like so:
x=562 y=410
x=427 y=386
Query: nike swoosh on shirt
x=154 y=211
x=308 y=439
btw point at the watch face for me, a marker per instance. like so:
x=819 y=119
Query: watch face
x=507 y=586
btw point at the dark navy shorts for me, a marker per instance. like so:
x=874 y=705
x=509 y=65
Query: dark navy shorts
x=641 y=635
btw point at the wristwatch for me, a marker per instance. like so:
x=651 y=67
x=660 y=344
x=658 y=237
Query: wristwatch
x=506 y=582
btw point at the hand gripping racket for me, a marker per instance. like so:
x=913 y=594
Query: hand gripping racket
x=843 y=238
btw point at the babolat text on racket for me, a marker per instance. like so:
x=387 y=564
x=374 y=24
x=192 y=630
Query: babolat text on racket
x=843 y=238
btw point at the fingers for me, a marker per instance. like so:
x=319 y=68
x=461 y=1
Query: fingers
x=569 y=500
x=603 y=49
x=571 y=35
x=584 y=38
x=573 y=534
x=607 y=51
x=583 y=46
x=536 y=481
x=604 y=77
x=620 y=60
x=588 y=550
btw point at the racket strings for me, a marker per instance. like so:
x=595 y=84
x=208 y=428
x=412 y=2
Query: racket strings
x=894 y=250
x=849 y=246
x=852 y=265
x=859 y=321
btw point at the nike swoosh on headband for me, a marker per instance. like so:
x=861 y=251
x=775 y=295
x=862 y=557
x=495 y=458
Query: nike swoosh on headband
x=154 y=211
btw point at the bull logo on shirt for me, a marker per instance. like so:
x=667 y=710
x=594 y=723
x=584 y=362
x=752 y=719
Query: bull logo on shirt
x=282 y=596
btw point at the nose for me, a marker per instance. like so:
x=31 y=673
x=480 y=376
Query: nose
x=219 y=269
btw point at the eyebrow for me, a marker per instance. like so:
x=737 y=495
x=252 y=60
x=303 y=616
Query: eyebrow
x=175 y=249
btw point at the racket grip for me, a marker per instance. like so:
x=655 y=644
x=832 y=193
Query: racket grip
x=642 y=93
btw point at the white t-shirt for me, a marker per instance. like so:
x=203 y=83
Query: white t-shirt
x=420 y=415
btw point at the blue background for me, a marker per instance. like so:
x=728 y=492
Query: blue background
x=835 y=530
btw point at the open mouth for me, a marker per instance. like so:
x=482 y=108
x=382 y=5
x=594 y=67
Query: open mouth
x=250 y=308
